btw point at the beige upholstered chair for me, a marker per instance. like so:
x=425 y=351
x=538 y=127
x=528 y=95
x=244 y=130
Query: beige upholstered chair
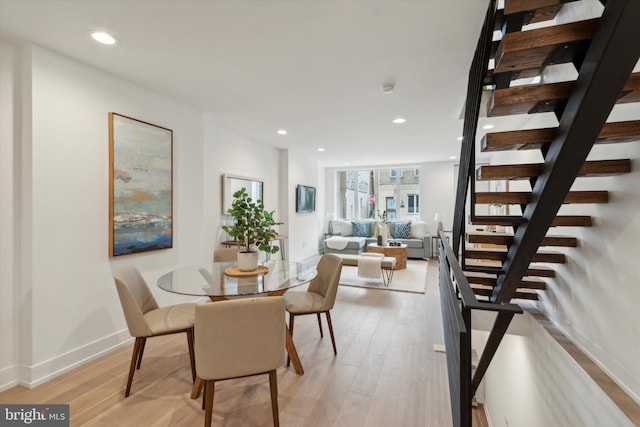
x=239 y=338
x=319 y=297
x=225 y=255
x=145 y=319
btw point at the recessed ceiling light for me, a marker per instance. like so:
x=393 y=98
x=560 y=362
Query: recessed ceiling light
x=282 y=132
x=487 y=127
x=347 y=164
x=321 y=149
x=460 y=138
x=452 y=157
x=399 y=120
x=104 y=38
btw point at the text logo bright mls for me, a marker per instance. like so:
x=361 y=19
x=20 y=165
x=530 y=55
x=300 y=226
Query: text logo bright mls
x=34 y=415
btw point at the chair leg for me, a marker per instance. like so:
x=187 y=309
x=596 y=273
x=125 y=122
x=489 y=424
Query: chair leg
x=291 y=317
x=273 y=383
x=144 y=341
x=208 y=409
x=333 y=341
x=134 y=359
x=192 y=356
x=320 y=324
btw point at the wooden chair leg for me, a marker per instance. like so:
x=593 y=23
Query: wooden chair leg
x=291 y=317
x=333 y=341
x=192 y=356
x=273 y=383
x=208 y=409
x=320 y=324
x=134 y=359
x=144 y=341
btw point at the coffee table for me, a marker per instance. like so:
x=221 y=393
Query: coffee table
x=398 y=252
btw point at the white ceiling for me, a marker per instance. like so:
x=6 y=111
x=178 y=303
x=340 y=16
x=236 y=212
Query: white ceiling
x=314 y=68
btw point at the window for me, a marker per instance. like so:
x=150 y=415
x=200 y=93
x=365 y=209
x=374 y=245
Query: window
x=416 y=172
x=414 y=204
x=366 y=193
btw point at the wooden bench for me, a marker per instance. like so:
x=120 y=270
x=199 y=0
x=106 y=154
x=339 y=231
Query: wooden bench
x=387 y=265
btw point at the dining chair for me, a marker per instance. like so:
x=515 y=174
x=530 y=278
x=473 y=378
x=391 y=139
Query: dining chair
x=225 y=255
x=239 y=338
x=319 y=297
x=145 y=319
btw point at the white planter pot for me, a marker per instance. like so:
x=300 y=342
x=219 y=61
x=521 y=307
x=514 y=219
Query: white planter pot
x=247 y=261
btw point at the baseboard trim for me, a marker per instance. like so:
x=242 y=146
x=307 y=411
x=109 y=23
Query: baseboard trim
x=32 y=376
x=8 y=377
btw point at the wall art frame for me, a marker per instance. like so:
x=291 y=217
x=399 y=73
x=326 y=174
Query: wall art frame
x=140 y=186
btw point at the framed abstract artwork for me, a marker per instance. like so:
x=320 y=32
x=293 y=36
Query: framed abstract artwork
x=140 y=186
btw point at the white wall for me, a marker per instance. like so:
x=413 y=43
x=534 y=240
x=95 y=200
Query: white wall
x=57 y=296
x=9 y=220
x=533 y=382
x=438 y=192
x=305 y=229
x=227 y=152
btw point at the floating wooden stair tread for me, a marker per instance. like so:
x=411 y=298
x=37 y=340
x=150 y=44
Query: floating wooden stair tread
x=529 y=139
x=486 y=279
x=496 y=254
x=529 y=170
x=519 y=294
x=514 y=221
x=523 y=197
x=544 y=98
x=535 y=49
x=539 y=10
x=533 y=270
x=507 y=239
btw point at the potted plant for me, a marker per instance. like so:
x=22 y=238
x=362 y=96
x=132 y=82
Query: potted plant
x=253 y=229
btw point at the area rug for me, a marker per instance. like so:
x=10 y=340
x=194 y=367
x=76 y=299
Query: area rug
x=411 y=279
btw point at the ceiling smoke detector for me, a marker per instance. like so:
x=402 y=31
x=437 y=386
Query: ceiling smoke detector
x=388 y=88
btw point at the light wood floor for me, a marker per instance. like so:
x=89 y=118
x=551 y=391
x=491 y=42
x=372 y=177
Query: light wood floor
x=386 y=374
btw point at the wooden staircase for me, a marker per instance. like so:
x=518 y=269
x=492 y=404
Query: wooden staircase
x=519 y=55
x=515 y=254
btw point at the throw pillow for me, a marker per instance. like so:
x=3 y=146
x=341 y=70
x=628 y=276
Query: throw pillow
x=402 y=231
x=345 y=228
x=360 y=229
x=418 y=229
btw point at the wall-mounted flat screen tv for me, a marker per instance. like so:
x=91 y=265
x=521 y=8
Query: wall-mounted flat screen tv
x=305 y=199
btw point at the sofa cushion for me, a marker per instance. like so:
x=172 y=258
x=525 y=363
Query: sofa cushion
x=356 y=243
x=418 y=229
x=411 y=243
x=360 y=229
x=402 y=230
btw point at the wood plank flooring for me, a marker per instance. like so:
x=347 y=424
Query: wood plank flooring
x=386 y=373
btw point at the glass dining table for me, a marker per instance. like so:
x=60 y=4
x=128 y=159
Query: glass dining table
x=221 y=281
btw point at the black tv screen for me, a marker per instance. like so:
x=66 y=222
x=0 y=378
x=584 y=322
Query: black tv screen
x=305 y=199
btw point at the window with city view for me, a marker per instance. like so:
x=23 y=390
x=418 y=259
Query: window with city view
x=367 y=193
